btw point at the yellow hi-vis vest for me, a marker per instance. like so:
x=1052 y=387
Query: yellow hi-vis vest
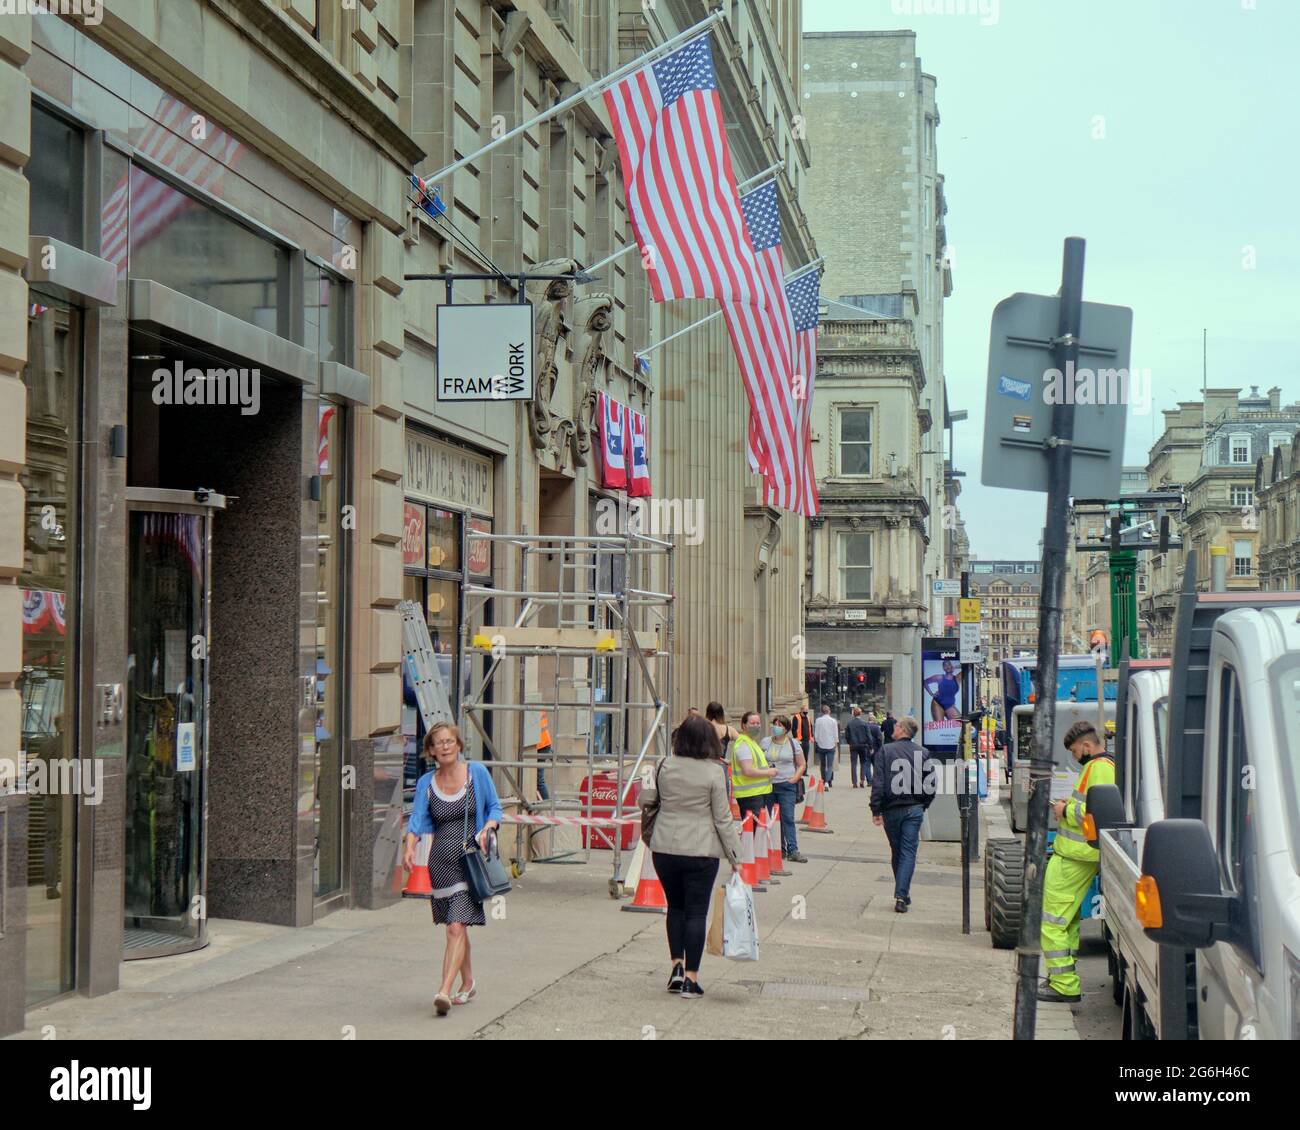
x=741 y=785
x=1070 y=842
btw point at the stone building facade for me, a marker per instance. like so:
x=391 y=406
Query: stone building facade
x=199 y=602
x=1009 y=593
x=1277 y=500
x=881 y=207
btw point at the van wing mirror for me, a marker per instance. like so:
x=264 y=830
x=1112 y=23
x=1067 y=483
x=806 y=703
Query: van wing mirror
x=1180 y=900
x=1105 y=810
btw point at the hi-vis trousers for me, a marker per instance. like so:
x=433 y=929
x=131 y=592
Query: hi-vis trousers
x=1064 y=887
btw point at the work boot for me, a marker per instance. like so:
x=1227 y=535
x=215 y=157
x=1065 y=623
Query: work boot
x=1049 y=995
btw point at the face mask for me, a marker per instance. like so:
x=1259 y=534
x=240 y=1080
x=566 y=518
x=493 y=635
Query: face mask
x=778 y=732
x=753 y=731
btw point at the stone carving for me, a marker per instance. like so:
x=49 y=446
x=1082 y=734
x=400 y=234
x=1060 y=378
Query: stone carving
x=594 y=314
x=550 y=299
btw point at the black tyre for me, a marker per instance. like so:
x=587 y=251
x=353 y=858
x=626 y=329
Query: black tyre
x=1006 y=892
x=988 y=883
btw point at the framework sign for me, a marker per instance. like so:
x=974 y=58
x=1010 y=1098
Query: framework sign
x=485 y=352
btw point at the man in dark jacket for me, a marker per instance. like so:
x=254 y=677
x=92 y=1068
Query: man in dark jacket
x=887 y=726
x=904 y=782
x=858 y=735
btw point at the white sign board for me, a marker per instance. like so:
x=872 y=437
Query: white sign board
x=186 y=752
x=485 y=352
x=970 y=649
x=942 y=587
x=855 y=614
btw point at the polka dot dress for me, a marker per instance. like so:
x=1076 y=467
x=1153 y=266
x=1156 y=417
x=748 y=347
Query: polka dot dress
x=451 y=898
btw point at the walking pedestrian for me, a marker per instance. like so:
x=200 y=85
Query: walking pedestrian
x=826 y=736
x=445 y=799
x=887 y=726
x=693 y=829
x=903 y=785
x=858 y=734
x=751 y=775
x=875 y=739
x=787 y=759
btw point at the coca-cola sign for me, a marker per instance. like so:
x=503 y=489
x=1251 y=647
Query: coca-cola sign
x=413 y=535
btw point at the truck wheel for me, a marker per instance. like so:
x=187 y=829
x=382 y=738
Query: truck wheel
x=1006 y=892
x=989 y=849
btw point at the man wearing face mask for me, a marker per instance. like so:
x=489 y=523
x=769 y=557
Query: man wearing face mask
x=787 y=759
x=751 y=775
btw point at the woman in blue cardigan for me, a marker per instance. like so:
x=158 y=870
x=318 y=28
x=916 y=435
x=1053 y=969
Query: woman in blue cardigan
x=442 y=799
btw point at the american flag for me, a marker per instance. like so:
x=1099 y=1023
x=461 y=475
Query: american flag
x=763 y=340
x=803 y=295
x=151 y=204
x=681 y=192
x=327 y=412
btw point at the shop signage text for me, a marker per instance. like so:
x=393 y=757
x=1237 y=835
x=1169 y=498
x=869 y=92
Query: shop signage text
x=485 y=352
x=440 y=472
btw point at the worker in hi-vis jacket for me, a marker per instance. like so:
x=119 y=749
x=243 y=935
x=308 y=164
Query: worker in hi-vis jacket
x=1072 y=868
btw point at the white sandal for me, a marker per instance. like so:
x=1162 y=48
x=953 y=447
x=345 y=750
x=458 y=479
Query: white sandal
x=466 y=995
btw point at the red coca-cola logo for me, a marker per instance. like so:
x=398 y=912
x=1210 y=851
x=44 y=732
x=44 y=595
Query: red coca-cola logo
x=413 y=535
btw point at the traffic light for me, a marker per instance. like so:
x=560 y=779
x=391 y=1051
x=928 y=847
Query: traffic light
x=832 y=667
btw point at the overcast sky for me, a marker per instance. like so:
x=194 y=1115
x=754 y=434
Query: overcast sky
x=1196 y=174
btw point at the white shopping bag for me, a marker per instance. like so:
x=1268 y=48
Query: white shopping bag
x=739 y=926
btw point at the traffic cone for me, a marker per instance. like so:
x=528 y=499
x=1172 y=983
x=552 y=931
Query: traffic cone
x=748 y=868
x=417 y=884
x=735 y=809
x=774 y=841
x=809 y=798
x=762 y=861
x=649 y=891
x=817 y=818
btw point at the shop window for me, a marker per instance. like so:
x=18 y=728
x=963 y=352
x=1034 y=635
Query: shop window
x=56 y=174
x=181 y=242
x=47 y=685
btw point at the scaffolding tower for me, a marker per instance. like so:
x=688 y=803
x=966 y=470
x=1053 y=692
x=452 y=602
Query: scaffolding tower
x=599 y=636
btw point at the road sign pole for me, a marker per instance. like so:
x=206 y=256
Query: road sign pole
x=1059 y=451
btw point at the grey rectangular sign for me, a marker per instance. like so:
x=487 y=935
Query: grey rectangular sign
x=485 y=352
x=1024 y=384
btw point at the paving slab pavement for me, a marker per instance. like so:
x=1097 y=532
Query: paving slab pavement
x=565 y=962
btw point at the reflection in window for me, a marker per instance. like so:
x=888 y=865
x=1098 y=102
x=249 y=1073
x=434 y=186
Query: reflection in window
x=56 y=175
x=325 y=302
x=182 y=243
x=46 y=686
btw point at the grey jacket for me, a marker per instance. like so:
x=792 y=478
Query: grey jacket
x=694 y=814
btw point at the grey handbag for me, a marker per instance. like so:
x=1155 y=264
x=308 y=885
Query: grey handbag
x=650 y=812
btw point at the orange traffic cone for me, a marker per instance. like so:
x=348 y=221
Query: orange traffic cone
x=649 y=891
x=809 y=798
x=735 y=809
x=762 y=861
x=774 y=842
x=817 y=818
x=417 y=884
x=748 y=867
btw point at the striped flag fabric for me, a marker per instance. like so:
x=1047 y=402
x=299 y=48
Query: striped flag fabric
x=681 y=191
x=638 y=479
x=763 y=340
x=609 y=416
x=803 y=295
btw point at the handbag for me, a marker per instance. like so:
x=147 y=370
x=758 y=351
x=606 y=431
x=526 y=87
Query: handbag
x=650 y=812
x=485 y=874
x=799 y=791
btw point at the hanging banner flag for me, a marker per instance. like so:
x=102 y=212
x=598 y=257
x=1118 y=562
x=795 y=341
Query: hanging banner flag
x=638 y=485
x=763 y=341
x=609 y=414
x=804 y=296
x=681 y=191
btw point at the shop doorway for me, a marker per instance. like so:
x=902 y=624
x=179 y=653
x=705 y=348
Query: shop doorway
x=169 y=618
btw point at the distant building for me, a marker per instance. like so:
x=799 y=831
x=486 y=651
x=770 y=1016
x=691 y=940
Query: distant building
x=1277 y=499
x=1009 y=594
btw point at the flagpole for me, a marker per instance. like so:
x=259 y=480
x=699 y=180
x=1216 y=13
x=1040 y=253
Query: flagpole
x=799 y=273
x=632 y=246
x=586 y=92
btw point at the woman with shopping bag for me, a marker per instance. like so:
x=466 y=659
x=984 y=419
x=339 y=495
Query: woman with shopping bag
x=691 y=830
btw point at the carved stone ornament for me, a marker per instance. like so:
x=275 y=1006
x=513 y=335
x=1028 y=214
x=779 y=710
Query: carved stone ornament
x=550 y=299
x=594 y=314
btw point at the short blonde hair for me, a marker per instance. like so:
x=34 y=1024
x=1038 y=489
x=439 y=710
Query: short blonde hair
x=907 y=724
x=455 y=733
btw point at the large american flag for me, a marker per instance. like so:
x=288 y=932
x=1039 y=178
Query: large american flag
x=168 y=140
x=803 y=295
x=681 y=192
x=763 y=340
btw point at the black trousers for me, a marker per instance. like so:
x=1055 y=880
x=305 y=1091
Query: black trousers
x=688 y=882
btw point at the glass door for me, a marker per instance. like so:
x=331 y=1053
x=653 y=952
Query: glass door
x=167 y=723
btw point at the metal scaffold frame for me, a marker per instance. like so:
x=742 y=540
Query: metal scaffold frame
x=608 y=634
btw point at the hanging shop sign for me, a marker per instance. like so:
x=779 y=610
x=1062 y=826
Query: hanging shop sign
x=485 y=352
x=447 y=475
